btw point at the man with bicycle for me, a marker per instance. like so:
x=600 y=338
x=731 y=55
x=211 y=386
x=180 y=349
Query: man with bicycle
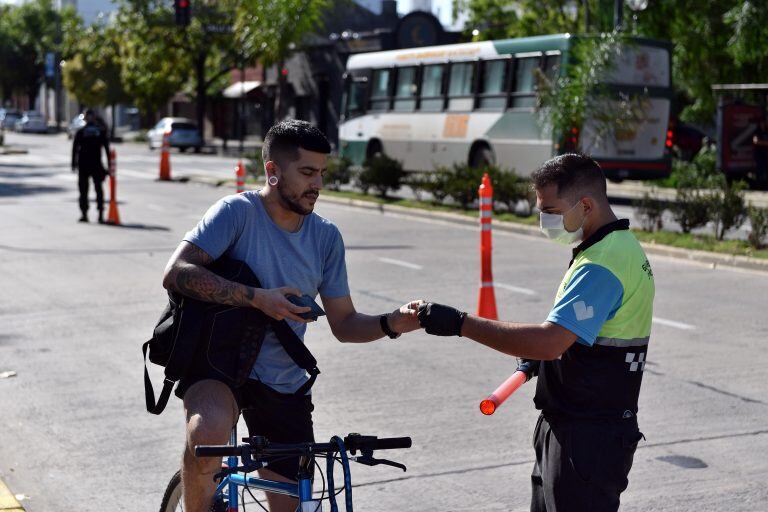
x=591 y=348
x=292 y=251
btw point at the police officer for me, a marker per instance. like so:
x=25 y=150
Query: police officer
x=86 y=159
x=592 y=346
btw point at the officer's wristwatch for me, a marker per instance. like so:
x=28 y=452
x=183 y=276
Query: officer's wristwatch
x=385 y=327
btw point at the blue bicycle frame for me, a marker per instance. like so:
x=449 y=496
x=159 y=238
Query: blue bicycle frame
x=230 y=484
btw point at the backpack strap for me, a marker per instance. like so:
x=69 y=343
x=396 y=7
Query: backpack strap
x=297 y=351
x=149 y=391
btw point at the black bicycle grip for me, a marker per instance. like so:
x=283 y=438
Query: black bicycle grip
x=218 y=451
x=392 y=443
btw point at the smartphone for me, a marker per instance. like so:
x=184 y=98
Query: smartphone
x=305 y=301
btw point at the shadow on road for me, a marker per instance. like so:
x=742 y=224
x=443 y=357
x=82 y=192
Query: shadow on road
x=16 y=190
x=145 y=227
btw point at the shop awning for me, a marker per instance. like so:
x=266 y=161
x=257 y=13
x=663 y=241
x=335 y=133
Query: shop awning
x=240 y=89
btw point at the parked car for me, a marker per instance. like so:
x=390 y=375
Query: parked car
x=74 y=125
x=8 y=118
x=32 y=122
x=182 y=133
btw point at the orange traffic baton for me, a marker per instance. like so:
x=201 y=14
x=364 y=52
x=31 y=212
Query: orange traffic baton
x=165 y=160
x=240 y=177
x=113 y=217
x=486 y=303
x=509 y=386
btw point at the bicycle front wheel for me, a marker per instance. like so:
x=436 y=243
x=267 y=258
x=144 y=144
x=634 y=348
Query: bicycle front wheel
x=172 y=496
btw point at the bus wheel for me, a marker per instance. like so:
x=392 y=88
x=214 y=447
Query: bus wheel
x=482 y=156
x=374 y=149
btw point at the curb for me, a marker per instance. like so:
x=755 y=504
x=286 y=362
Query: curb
x=13 y=151
x=708 y=258
x=712 y=259
x=8 y=502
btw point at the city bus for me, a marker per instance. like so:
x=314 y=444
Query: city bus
x=475 y=103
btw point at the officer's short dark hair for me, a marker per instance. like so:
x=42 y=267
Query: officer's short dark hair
x=285 y=138
x=573 y=173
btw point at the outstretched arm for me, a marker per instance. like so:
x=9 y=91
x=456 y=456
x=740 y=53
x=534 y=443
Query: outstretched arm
x=187 y=275
x=544 y=341
x=349 y=326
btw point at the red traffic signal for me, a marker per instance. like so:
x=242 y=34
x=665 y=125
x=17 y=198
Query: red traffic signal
x=183 y=14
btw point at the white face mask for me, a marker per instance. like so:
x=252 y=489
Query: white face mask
x=553 y=226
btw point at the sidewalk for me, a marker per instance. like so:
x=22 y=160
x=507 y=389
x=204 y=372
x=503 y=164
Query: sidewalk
x=629 y=190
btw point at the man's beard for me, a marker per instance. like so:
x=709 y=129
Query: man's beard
x=291 y=201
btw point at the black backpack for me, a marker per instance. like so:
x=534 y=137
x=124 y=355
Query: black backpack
x=194 y=337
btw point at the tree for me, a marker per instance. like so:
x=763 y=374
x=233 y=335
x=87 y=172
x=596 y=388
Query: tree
x=195 y=58
x=27 y=33
x=272 y=29
x=152 y=53
x=92 y=75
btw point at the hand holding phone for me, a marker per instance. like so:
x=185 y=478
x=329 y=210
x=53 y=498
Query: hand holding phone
x=305 y=301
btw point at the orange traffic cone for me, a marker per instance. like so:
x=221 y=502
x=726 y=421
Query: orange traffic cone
x=240 y=177
x=113 y=217
x=486 y=302
x=165 y=161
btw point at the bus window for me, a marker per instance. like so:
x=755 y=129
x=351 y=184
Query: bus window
x=492 y=88
x=460 y=86
x=354 y=97
x=524 y=92
x=380 y=90
x=552 y=66
x=405 y=89
x=432 y=88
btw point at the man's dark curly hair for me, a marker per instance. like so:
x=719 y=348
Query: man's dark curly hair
x=285 y=138
x=573 y=173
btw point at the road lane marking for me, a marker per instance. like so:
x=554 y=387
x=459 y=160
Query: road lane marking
x=672 y=323
x=135 y=174
x=516 y=289
x=8 y=502
x=401 y=263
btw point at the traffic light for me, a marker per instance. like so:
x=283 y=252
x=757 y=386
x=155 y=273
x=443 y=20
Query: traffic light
x=182 y=8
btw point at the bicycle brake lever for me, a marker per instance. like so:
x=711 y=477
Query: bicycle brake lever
x=370 y=461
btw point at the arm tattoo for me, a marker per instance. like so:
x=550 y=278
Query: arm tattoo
x=189 y=277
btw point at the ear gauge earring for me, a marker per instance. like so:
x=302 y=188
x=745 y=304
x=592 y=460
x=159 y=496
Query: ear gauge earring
x=272 y=181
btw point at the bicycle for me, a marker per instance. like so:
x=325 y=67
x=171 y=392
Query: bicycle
x=257 y=452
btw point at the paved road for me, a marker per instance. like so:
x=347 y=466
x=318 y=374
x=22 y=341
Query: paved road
x=77 y=301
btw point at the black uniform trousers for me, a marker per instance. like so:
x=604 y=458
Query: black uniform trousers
x=582 y=465
x=83 y=178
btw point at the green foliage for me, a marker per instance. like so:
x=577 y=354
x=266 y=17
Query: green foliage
x=92 y=74
x=649 y=210
x=273 y=29
x=511 y=189
x=254 y=165
x=27 y=33
x=338 y=173
x=462 y=183
x=727 y=209
x=382 y=174
x=758 y=220
x=691 y=206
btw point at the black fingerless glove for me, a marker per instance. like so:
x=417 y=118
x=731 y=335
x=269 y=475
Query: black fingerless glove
x=441 y=320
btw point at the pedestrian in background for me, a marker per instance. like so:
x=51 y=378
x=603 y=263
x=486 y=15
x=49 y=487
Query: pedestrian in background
x=86 y=159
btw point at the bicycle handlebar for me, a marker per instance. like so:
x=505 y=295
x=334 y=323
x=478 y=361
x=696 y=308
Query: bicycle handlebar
x=261 y=447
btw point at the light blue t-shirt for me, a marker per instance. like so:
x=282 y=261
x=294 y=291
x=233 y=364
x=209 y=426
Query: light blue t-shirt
x=592 y=297
x=311 y=259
